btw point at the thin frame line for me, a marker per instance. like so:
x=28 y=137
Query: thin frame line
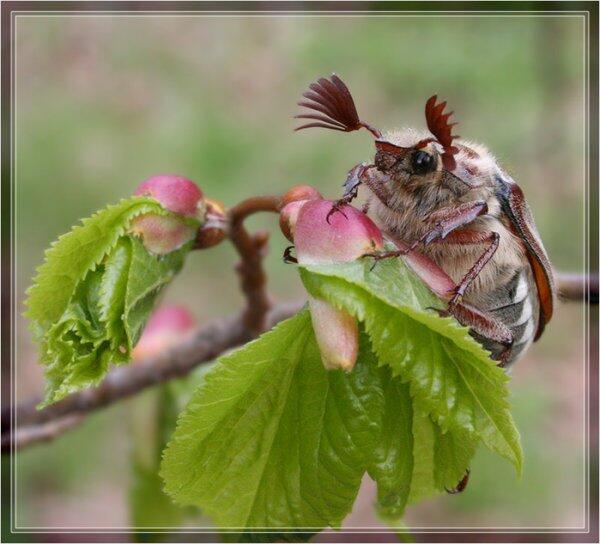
x=382 y=14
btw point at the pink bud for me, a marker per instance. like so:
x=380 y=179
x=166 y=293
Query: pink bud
x=176 y=193
x=179 y=195
x=336 y=332
x=166 y=326
x=348 y=235
x=291 y=202
x=300 y=192
x=161 y=234
x=288 y=217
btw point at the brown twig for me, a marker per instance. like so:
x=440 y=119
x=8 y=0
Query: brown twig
x=204 y=345
x=207 y=344
x=35 y=434
x=575 y=287
x=252 y=250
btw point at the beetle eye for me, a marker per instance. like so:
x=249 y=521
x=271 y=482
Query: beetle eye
x=422 y=162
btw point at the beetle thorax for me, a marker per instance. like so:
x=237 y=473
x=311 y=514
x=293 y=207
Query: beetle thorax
x=408 y=198
x=403 y=207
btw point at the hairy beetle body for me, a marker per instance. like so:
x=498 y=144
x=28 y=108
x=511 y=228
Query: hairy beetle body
x=407 y=208
x=449 y=199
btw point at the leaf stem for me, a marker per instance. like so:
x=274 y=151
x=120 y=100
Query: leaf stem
x=252 y=249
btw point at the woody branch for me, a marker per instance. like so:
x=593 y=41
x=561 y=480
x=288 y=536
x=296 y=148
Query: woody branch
x=206 y=344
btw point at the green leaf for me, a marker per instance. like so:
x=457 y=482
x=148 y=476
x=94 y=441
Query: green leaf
x=451 y=376
x=393 y=464
x=76 y=253
x=105 y=316
x=440 y=460
x=452 y=455
x=273 y=440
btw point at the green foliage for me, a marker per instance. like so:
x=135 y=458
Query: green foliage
x=451 y=376
x=93 y=294
x=273 y=440
x=74 y=254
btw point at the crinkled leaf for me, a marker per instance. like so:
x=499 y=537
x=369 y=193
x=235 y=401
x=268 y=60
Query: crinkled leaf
x=273 y=440
x=76 y=253
x=105 y=316
x=451 y=376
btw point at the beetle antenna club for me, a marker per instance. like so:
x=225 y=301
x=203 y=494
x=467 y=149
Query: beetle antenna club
x=437 y=123
x=332 y=107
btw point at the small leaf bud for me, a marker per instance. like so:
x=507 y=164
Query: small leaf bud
x=291 y=202
x=163 y=234
x=322 y=237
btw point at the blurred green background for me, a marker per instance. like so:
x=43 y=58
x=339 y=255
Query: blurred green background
x=104 y=102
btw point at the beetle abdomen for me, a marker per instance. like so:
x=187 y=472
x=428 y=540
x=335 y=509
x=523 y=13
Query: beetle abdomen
x=516 y=304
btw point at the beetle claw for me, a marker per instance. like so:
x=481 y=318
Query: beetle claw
x=460 y=486
x=337 y=207
x=288 y=258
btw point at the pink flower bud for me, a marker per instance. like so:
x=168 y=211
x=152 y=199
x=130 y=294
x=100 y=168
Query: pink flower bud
x=336 y=332
x=166 y=326
x=291 y=202
x=288 y=217
x=300 y=192
x=348 y=235
x=179 y=195
x=176 y=193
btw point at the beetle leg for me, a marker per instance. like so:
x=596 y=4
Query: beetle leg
x=460 y=486
x=452 y=217
x=354 y=179
x=484 y=326
x=480 y=322
x=379 y=256
x=470 y=276
x=288 y=258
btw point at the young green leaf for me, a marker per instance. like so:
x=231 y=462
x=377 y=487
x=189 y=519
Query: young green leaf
x=91 y=297
x=450 y=375
x=273 y=440
x=105 y=316
x=76 y=253
x=393 y=463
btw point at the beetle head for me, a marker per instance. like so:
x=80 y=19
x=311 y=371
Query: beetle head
x=405 y=156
